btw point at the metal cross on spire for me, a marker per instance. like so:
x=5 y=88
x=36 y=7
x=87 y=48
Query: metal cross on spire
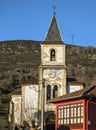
x=54 y=8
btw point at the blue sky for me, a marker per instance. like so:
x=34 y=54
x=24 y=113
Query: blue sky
x=30 y=20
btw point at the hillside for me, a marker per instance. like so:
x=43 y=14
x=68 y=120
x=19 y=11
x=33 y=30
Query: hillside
x=81 y=62
x=19 y=60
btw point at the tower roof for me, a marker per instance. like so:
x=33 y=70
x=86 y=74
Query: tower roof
x=53 y=33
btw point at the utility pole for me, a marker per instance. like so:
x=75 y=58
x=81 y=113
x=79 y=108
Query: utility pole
x=42 y=107
x=72 y=38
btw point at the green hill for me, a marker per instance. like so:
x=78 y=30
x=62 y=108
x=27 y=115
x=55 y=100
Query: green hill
x=19 y=60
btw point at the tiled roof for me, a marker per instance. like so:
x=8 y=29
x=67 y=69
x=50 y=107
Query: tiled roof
x=74 y=82
x=31 y=81
x=87 y=91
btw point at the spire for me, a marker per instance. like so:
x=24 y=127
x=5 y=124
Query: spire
x=54 y=7
x=53 y=33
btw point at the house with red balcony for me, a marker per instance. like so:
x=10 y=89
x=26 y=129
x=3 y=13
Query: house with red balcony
x=76 y=110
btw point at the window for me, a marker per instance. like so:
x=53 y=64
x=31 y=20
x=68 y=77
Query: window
x=52 y=55
x=55 y=91
x=71 y=114
x=48 y=92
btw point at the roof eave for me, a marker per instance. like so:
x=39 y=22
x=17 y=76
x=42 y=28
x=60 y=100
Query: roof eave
x=64 y=100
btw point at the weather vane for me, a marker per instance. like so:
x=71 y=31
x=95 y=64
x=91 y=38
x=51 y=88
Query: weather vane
x=54 y=8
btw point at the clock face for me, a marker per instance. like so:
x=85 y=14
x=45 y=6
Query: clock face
x=52 y=74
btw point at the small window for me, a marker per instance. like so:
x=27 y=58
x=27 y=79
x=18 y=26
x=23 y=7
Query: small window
x=48 y=92
x=55 y=91
x=52 y=55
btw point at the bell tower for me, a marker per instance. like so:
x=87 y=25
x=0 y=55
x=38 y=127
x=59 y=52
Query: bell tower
x=53 y=68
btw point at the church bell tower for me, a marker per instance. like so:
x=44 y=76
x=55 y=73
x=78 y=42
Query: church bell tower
x=53 y=68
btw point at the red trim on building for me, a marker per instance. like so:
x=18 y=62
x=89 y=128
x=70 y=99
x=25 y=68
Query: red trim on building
x=70 y=103
x=82 y=101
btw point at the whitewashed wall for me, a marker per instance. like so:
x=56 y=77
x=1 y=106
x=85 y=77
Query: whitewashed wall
x=60 y=54
x=30 y=106
x=16 y=101
x=72 y=88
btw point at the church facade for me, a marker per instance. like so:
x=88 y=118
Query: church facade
x=51 y=82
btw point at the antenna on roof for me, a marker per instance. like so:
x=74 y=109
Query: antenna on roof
x=54 y=8
x=72 y=38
